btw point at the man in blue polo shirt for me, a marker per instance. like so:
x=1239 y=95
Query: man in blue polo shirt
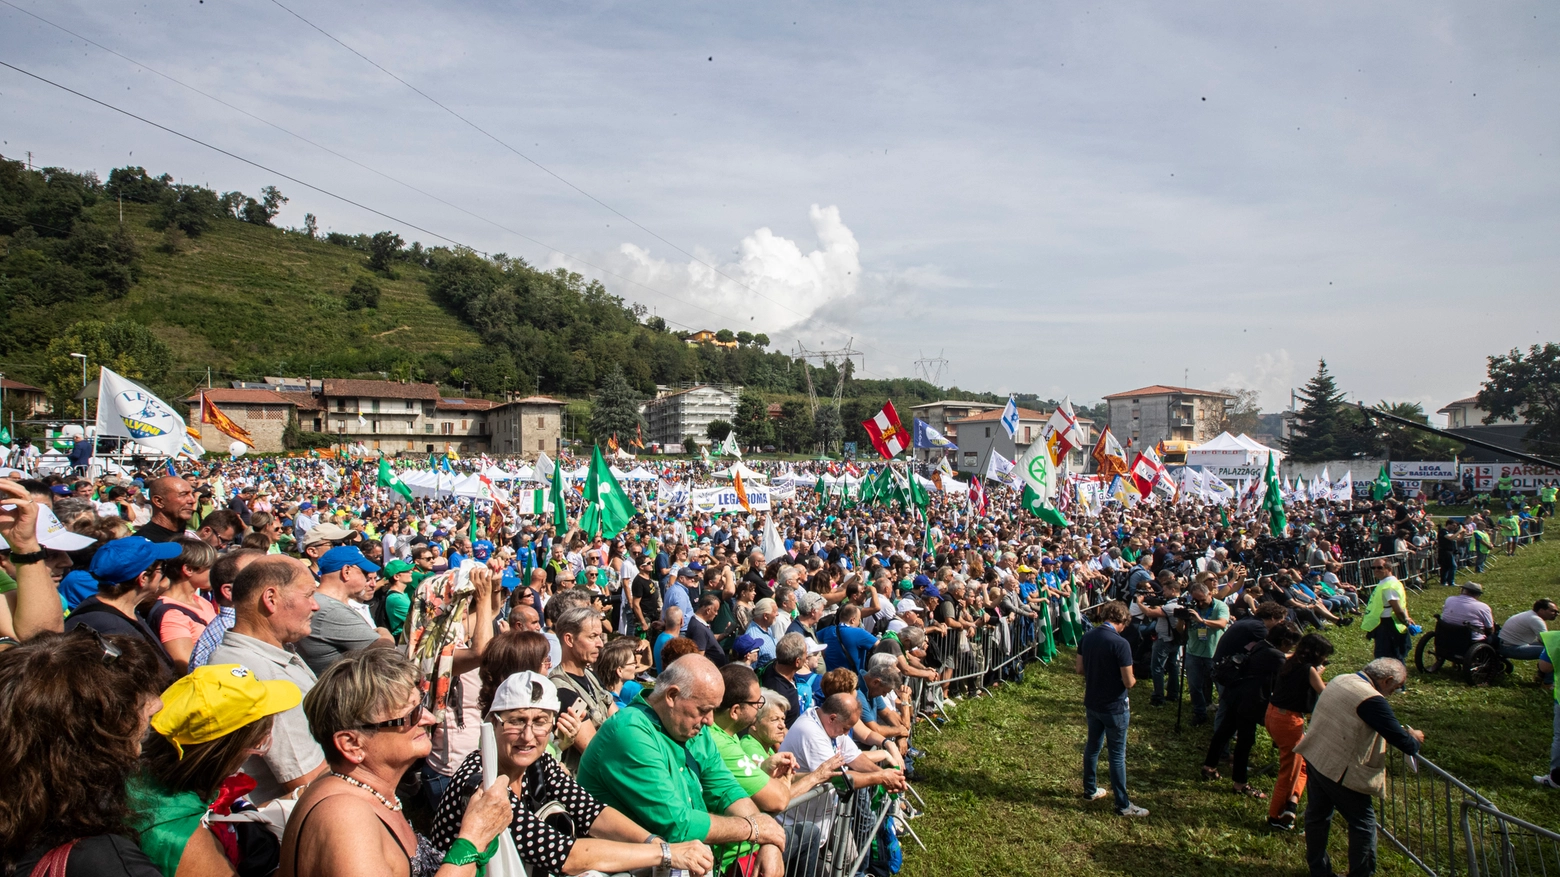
x=845 y=644
x=1105 y=662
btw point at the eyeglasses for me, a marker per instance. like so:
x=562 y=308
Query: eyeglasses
x=411 y=719
x=540 y=726
x=753 y=703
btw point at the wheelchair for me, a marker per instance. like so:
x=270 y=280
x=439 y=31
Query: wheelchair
x=1480 y=661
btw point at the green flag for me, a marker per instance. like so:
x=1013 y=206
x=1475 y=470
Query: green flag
x=823 y=493
x=1042 y=509
x=471 y=525
x=926 y=542
x=607 y=508
x=1381 y=488
x=1039 y=474
x=1045 y=649
x=393 y=481
x=1273 y=500
x=1224 y=517
x=559 y=509
x=918 y=495
x=5 y=436
x=1071 y=624
x=867 y=491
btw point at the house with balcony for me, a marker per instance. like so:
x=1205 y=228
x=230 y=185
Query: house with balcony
x=527 y=427
x=397 y=418
x=981 y=433
x=1144 y=417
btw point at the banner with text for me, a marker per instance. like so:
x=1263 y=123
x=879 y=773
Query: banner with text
x=1420 y=471
x=724 y=499
x=1525 y=477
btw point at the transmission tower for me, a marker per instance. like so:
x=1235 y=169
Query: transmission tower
x=931 y=368
x=825 y=358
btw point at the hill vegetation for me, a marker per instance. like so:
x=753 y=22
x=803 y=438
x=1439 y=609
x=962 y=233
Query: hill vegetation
x=164 y=281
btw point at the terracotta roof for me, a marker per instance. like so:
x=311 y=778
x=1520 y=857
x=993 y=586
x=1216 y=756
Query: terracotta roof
x=956 y=403
x=1163 y=390
x=304 y=401
x=379 y=389
x=1471 y=400
x=996 y=414
x=538 y=400
x=19 y=387
x=224 y=396
x=461 y=403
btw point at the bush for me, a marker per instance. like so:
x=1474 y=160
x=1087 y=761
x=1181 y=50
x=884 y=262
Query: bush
x=363 y=294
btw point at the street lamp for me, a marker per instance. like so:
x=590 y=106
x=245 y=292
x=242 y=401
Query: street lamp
x=83 y=358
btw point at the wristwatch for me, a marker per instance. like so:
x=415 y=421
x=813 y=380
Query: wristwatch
x=20 y=558
x=666 y=854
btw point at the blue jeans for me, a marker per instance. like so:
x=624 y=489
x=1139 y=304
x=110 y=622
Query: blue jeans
x=1390 y=643
x=1199 y=684
x=1165 y=667
x=803 y=846
x=1448 y=571
x=433 y=786
x=1109 y=728
x=1522 y=653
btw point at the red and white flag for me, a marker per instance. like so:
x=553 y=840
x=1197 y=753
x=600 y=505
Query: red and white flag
x=978 y=496
x=1061 y=433
x=888 y=435
x=1146 y=470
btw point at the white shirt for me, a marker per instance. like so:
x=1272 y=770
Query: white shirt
x=812 y=745
x=1522 y=629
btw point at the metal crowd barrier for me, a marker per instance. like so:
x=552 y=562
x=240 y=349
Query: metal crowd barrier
x=1447 y=829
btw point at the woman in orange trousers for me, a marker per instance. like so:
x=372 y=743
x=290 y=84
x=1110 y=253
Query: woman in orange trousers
x=1294 y=696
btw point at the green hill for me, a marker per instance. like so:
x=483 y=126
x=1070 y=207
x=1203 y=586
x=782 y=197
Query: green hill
x=163 y=282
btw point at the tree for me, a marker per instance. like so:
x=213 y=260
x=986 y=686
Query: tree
x=690 y=445
x=384 y=246
x=1399 y=442
x=1526 y=386
x=725 y=336
x=717 y=431
x=744 y=338
x=363 y=294
x=616 y=409
x=311 y=226
x=263 y=211
x=761 y=339
x=191 y=208
x=1242 y=414
x=1326 y=428
x=827 y=431
x=125 y=346
x=795 y=428
x=753 y=426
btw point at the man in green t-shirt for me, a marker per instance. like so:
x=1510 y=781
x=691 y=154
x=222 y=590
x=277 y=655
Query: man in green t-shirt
x=1546 y=500
x=1510 y=530
x=1208 y=619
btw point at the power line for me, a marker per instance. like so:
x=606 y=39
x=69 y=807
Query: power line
x=550 y=172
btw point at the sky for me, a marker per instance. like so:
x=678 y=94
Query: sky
x=1062 y=199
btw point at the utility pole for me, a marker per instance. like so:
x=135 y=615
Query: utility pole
x=839 y=358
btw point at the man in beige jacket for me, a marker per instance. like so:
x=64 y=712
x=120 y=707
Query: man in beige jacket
x=1345 y=753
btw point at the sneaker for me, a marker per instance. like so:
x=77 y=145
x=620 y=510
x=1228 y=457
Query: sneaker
x=1100 y=793
x=1132 y=810
x=1544 y=780
x=1280 y=825
x=915 y=753
x=1345 y=621
x=1199 y=720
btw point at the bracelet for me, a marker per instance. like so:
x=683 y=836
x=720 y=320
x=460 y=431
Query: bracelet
x=464 y=852
x=752 y=827
x=20 y=558
x=666 y=855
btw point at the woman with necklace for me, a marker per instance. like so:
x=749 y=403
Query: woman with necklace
x=366 y=712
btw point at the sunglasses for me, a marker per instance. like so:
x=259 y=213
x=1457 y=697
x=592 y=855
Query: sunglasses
x=410 y=719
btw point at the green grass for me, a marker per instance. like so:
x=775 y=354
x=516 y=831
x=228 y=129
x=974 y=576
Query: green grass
x=242 y=297
x=1002 y=782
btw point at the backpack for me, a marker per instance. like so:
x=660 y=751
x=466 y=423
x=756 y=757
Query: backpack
x=887 y=857
x=1230 y=669
x=378 y=610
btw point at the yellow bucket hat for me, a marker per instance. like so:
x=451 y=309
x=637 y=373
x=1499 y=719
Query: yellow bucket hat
x=218 y=699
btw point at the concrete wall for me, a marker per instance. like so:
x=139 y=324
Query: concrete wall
x=264 y=423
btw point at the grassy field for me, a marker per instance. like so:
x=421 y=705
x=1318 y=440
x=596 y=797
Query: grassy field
x=1002 y=784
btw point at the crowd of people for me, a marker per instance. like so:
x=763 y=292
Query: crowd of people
x=217 y=671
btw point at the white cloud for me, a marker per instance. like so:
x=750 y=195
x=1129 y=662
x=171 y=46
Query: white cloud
x=771 y=286
x=1272 y=374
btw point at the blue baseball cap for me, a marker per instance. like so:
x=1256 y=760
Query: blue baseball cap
x=343 y=556
x=746 y=643
x=922 y=582
x=933 y=591
x=123 y=560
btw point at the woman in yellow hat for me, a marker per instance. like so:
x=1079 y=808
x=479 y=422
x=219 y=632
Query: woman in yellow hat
x=210 y=721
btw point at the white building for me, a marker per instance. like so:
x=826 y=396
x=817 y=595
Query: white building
x=677 y=413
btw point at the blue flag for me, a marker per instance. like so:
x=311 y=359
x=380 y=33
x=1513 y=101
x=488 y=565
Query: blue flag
x=1010 y=418
x=927 y=438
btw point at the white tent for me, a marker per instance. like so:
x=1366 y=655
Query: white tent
x=496 y=474
x=741 y=467
x=1231 y=450
x=639 y=473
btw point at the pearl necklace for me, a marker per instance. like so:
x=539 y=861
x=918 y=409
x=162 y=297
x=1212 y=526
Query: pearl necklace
x=393 y=808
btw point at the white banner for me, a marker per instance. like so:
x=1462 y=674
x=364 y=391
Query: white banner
x=1237 y=473
x=1525 y=477
x=1420 y=471
x=724 y=499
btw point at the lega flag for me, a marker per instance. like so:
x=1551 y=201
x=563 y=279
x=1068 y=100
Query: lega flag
x=999 y=469
x=128 y=410
x=1343 y=488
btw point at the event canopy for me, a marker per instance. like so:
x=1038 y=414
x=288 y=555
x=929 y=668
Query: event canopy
x=741 y=467
x=1232 y=450
x=638 y=473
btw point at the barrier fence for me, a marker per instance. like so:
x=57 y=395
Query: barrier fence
x=1447 y=829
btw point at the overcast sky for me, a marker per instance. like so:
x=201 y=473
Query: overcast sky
x=1073 y=199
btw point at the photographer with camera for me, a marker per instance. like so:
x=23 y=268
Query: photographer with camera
x=1160 y=609
x=1206 y=620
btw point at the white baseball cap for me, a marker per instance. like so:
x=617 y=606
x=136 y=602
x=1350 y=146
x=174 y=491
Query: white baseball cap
x=907 y=605
x=525 y=690
x=52 y=534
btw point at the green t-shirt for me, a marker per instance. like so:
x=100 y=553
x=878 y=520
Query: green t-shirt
x=397 y=604
x=164 y=820
x=7 y=584
x=1511 y=526
x=1547 y=494
x=1201 y=640
x=1130 y=555
x=745 y=757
